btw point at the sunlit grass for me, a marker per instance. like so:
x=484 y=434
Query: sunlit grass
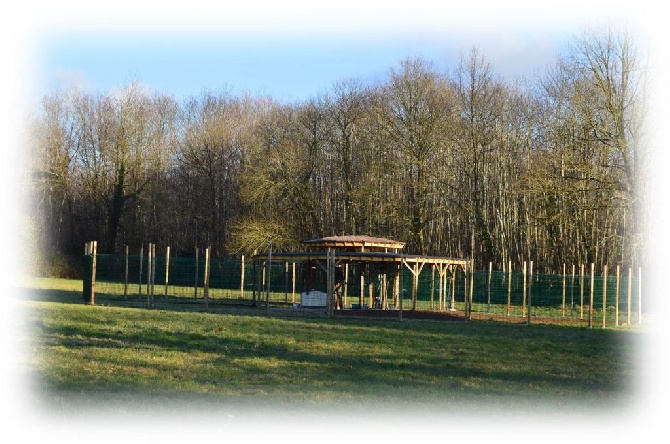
x=93 y=351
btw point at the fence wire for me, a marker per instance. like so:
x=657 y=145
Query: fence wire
x=552 y=298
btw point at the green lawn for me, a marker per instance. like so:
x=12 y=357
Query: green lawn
x=133 y=356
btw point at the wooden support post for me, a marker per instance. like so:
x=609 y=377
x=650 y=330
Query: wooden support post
x=345 y=289
x=448 y=285
x=331 y=281
x=125 y=275
x=268 y=268
x=400 y=295
x=371 y=293
x=572 y=291
x=523 y=302
x=293 y=283
x=329 y=285
x=444 y=284
x=616 y=296
x=383 y=290
x=195 y=282
x=139 y=291
x=415 y=285
x=452 y=297
x=242 y=279
x=443 y=290
x=361 y=296
x=167 y=270
x=581 y=292
x=591 y=297
x=466 y=276
x=94 y=271
x=206 y=278
x=466 y=299
x=509 y=287
x=153 y=274
x=396 y=285
x=630 y=293
x=530 y=293
x=286 y=282
x=488 y=290
x=604 y=296
x=639 y=295
x=472 y=287
x=563 y=299
x=441 y=273
x=416 y=272
x=257 y=279
x=149 y=263
x=432 y=287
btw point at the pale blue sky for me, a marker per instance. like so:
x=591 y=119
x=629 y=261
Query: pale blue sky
x=288 y=55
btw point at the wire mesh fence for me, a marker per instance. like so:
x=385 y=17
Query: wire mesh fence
x=576 y=296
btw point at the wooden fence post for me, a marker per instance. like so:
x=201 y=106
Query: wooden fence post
x=345 y=286
x=523 y=302
x=255 y=289
x=415 y=285
x=206 y=278
x=432 y=287
x=153 y=274
x=639 y=294
x=195 y=283
x=616 y=299
x=167 y=270
x=140 y=278
x=149 y=257
x=581 y=292
x=242 y=279
x=293 y=283
x=150 y=260
x=563 y=299
x=400 y=290
x=95 y=266
x=591 y=297
x=268 y=267
x=630 y=296
x=509 y=287
x=125 y=275
x=472 y=287
x=488 y=300
x=572 y=291
x=466 y=288
x=331 y=281
x=286 y=282
x=604 y=296
x=530 y=292
x=397 y=285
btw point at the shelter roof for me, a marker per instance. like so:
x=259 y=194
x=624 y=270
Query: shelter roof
x=355 y=242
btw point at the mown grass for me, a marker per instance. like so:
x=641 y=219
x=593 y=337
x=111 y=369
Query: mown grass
x=82 y=353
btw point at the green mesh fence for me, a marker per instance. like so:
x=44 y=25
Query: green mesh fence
x=496 y=294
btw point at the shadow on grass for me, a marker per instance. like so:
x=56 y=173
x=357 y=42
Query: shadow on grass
x=293 y=357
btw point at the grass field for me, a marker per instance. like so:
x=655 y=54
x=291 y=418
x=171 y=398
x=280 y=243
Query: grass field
x=133 y=357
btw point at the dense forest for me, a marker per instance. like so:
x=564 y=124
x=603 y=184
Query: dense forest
x=460 y=163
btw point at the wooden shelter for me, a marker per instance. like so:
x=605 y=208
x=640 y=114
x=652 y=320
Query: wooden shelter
x=355 y=243
x=373 y=258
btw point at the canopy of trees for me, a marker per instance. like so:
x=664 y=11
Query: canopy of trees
x=459 y=163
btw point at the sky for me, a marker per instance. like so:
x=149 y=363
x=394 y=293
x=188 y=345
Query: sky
x=291 y=50
x=294 y=50
x=286 y=67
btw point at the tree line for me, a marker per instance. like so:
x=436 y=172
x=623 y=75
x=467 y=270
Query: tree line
x=460 y=163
